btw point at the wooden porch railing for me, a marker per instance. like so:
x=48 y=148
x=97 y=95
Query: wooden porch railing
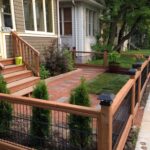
x=30 y=56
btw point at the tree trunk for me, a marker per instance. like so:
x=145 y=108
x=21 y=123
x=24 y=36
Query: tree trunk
x=126 y=37
x=121 y=33
x=112 y=33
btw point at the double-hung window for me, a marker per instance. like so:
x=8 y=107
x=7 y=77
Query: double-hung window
x=7 y=14
x=65 y=21
x=38 y=15
x=91 y=23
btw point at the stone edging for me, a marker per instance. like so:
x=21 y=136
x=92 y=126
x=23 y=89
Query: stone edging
x=62 y=75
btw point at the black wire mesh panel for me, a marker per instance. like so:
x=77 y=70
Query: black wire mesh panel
x=136 y=91
x=120 y=118
x=143 y=77
x=56 y=133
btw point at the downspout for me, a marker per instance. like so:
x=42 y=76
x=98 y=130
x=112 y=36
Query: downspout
x=58 y=26
x=76 y=29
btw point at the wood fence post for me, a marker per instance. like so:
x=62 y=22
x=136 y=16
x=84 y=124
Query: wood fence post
x=105 y=57
x=105 y=125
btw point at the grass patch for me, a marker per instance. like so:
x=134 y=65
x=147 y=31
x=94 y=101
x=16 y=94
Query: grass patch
x=144 y=52
x=96 y=62
x=126 y=62
x=107 y=82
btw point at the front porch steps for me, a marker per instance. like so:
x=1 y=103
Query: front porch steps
x=20 y=81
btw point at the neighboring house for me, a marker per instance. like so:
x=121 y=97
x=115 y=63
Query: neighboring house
x=79 y=23
x=34 y=20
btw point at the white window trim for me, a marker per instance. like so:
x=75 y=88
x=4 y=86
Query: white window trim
x=13 y=14
x=45 y=23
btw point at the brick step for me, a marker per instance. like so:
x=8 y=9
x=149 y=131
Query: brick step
x=17 y=76
x=24 y=92
x=22 y=84
x=8 y=61
x=12 y=68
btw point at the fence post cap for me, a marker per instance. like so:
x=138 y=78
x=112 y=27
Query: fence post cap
x=137 y=65
x=132 y=71
x=106 y=98
x=146 y=56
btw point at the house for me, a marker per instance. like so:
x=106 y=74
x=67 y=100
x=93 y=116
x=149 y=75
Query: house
x=79 y=23
x=33 y=20
x=35 y=27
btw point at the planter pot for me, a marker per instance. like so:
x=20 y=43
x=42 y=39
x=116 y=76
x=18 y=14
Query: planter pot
x=18 y=60
x=114 y=67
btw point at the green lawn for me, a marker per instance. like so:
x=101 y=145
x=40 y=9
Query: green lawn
x=125 y=61
x=107 y=82
x=144 y=52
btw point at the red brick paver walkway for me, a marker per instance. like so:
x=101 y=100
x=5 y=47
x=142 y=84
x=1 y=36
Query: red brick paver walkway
x=60 y=89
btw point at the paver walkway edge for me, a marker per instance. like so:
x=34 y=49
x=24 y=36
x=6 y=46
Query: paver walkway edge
x=143 y=142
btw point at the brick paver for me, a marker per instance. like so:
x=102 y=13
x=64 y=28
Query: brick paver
x=59 y=89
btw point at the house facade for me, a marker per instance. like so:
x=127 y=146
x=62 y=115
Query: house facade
x=79 y=23
x=33 y=20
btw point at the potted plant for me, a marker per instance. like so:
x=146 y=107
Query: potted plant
x=114 y=64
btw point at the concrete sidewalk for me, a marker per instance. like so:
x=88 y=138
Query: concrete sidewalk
x=143 y=142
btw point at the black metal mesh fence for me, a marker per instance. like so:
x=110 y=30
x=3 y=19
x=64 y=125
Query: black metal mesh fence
x=61 y=131
x=149 y=67
x=136 y=91
x=143 y=76
x=120 y=118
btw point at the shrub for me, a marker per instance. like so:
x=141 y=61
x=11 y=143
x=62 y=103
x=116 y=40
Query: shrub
x=68 y=60
x=114 y=57
x=5 y=110
x=80 y=129
x=44 y=73
x=100 y=48
x=40 y=121
x=58 y=61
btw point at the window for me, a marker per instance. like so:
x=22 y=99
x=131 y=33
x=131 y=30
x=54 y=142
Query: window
x=28 y=14
x=38 y=15
x=91 y=22
x=65 y=21
x=7 y=14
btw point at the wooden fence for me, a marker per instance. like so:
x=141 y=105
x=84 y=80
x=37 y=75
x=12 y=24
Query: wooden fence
x=110 y=125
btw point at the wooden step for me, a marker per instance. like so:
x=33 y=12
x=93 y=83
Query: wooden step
x=17 y=76
x=24 y=91
x=22 y=84
x=12 y=68
x=8 y=61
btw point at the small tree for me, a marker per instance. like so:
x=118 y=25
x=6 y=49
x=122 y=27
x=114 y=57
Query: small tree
x=80 y=129
x=5 y=110
x=40 y=117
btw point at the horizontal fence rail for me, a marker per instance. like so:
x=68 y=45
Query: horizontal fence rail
x=107 y=128
x=30 y=56
x=65 y=127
